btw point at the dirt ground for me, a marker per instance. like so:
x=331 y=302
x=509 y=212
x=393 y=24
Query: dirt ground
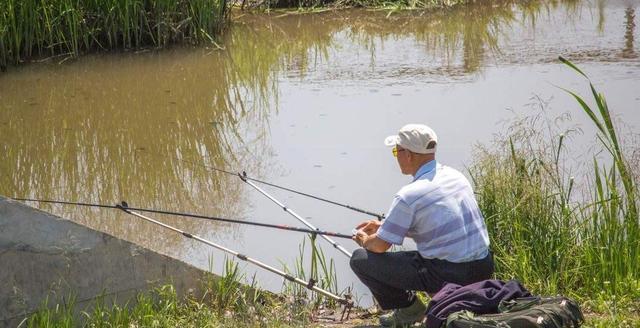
x=357 y=318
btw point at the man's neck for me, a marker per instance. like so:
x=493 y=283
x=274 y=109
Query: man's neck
x=421 y=163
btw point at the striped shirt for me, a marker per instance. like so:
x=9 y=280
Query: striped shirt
x=438 y=210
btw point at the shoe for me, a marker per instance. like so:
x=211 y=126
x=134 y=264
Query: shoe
x=406 y=316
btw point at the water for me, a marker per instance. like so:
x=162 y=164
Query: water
x=304 y=101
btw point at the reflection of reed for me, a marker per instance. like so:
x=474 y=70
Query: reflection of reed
x=261 y=43
x=460 y=39
x=141 y=128
x=601 y=4
x=628 y=51
x=474 y=29
x=86 y=132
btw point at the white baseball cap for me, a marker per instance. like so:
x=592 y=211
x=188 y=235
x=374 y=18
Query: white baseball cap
x=415 y=138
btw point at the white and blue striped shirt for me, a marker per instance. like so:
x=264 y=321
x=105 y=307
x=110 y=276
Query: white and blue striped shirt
x=438 y=210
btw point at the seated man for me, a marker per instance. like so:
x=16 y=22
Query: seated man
x=438 y=210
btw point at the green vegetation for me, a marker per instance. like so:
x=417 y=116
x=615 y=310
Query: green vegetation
x=162 y=308
x=225 y=302
x=550 y=236
x=32 y=28
x=320 y=270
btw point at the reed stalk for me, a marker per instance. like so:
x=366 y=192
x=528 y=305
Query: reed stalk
x=322 y=271
x=34 y=29
x=612 y=239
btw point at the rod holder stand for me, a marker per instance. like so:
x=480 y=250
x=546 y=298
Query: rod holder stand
x=347 y=307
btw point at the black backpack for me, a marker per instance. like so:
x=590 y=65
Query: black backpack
x=529 y=312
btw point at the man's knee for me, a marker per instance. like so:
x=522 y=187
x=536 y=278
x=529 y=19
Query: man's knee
x=358 y=260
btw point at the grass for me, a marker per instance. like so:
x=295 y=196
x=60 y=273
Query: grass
x=225 y=302
x=33 y=29
x=550 y=236
x=321 y=271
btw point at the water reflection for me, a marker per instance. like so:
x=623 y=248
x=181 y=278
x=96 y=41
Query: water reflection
x=629 y=51
x=111 y=128
x=455 y=42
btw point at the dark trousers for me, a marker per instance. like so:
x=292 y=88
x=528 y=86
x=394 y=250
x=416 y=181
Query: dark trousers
x=393 y=276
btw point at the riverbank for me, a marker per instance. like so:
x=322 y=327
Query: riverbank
x=238 y=308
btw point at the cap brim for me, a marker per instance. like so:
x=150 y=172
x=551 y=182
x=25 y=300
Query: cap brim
x=391 y=140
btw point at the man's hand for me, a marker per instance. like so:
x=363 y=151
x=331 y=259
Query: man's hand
x=365 y=236
x=369 y=227
x=360 y=237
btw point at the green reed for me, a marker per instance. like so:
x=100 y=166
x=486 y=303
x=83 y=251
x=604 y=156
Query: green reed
x=32 y=28
x=612 y=238
x=542 y=232
x=322 y=270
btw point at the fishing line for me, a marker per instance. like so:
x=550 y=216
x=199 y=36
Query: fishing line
x=346 y=301
x=353 y=208
x=197 y=216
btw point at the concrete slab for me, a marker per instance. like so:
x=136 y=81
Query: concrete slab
x=43 y=255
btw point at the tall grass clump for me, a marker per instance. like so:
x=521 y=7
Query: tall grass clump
x=524 y=195
x=546 y=233
x=611 y=239
x=60 y=315
x=43 y=28
x=228 y=295
x=321 y=271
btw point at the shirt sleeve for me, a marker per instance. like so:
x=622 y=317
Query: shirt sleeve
x=398 y=221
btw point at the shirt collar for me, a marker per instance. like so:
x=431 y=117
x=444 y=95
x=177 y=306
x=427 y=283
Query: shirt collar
x=425 y=168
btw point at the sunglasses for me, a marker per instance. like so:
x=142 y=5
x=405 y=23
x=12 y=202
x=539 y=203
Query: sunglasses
x=395 y=151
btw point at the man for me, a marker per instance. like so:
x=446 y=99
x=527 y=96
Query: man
x=439 y=212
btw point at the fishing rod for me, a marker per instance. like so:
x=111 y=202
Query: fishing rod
x=379 y=216
x=346 y=300
x=331 y=241
x=353 y=208
x=197 y=216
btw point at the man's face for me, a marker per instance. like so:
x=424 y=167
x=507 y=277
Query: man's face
x=402 y=155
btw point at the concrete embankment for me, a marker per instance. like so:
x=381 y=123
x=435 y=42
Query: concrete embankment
x=43 y=255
